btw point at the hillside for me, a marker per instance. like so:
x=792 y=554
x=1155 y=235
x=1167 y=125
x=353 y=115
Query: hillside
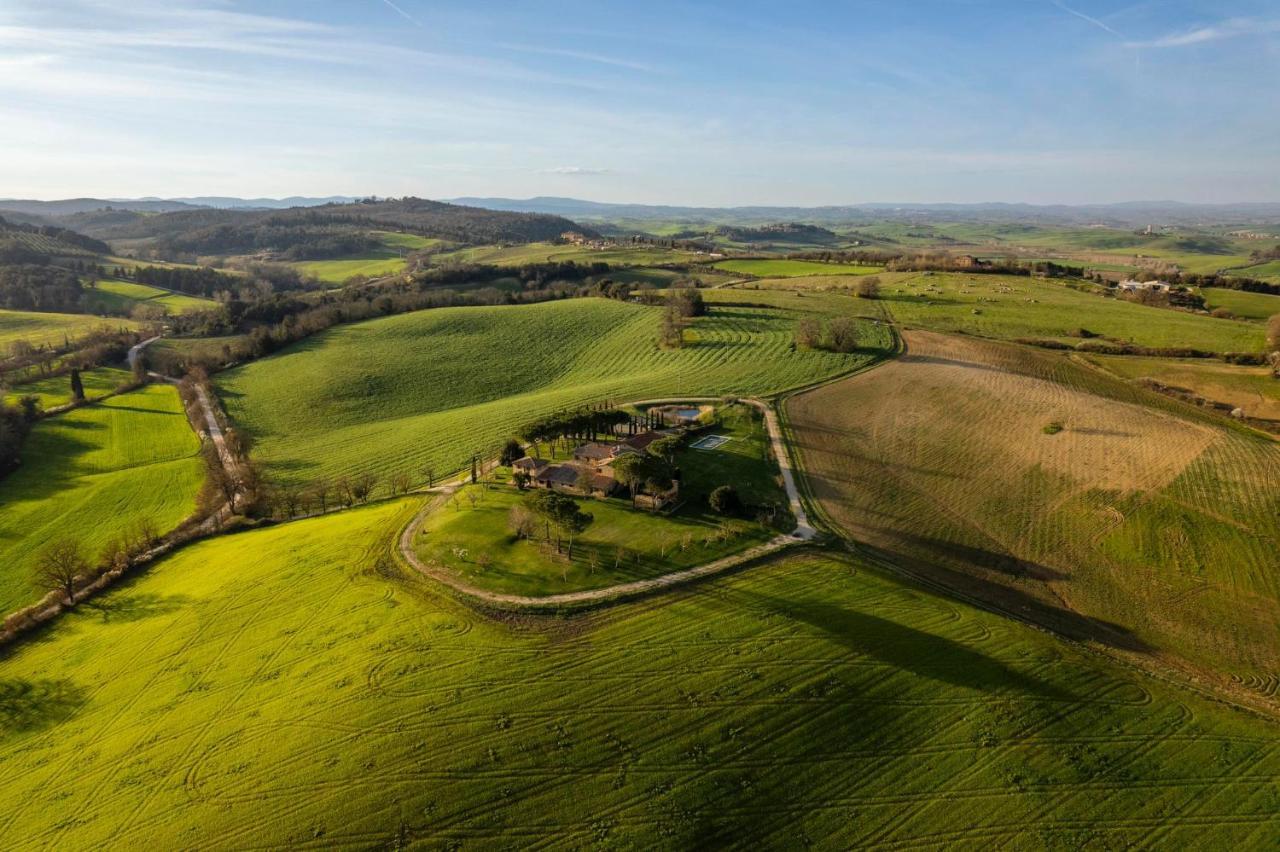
x=327 y=230
x=432 y=388
x=1104 y=511
x=296 y=687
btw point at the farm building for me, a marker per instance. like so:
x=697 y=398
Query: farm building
x=596 y=453
x=577 y=479
x=1131 y=286
x=642 y=441
x=528 y=465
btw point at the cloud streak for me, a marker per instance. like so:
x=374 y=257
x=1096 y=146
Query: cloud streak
x=1231 y=28
x=574 y=171
x=1082 y=16
x=402 y=13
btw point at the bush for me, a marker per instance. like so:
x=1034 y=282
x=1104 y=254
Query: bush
x=725 y=501
x=867 y=288
x=1052 y=428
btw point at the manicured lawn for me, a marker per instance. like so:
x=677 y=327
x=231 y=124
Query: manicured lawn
x=294 y=687
x=745 y=461
x=434 y=387
x=90 y=473
x=794 y=268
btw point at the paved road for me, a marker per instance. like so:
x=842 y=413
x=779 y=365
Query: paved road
x=802 y=533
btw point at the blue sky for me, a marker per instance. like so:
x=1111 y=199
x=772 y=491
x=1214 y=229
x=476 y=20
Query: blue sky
x=709 y=103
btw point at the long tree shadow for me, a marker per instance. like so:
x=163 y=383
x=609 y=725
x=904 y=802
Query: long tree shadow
x=29 y=705
x=127 y=607
x=924 y=654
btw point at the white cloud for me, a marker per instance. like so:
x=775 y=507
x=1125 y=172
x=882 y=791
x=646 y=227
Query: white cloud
x=1233 y=28
x=574 y=171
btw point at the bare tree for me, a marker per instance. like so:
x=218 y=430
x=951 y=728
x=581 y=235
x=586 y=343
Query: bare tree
x=60 y=565
x=362 y=487
x=400 y=483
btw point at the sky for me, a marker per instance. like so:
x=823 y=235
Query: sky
x=709 y=103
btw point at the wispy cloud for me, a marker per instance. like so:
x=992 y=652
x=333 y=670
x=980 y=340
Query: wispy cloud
x=598 y=58
x=1082 y=16
x=1231 y=28
x=402 y=13
x=574 y=171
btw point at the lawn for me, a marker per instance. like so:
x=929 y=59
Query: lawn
x=434 y=387
x=293 y=687
x=745 y=461
x=1012 y=307
x=1246 y=305
x=620 y=545
x=56 y=390
x=793 y=268
x=89 y=474
x=39 y=329
x=1143 y=523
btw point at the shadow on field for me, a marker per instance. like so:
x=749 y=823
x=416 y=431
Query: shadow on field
x=29 y=705
x=135 y=607
x=993 y=560
x=906 y=648
x=1015 y=601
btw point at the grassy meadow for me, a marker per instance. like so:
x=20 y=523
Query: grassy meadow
x=40 y=329
x=296 y=687
x=89 y=474
x=782 y=268
x=1109 y=512
x=1249 y=388
x=56 y=390
x=433 y=387
x=1246 y=305
x=379 y=262
x=114 y=296
x=549 y=252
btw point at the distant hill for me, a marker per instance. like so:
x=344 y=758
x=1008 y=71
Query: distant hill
x=327 y=230
x=23 y=243
x=230 y=202
x=1126 y=214
x=785 y=232
x=68 y=206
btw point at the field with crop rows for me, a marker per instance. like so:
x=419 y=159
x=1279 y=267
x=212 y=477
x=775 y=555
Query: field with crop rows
x=39 y=328
x=91 y=472
x=433 y=387
x=793 y=268
x=295 y=687
x=1136 y=522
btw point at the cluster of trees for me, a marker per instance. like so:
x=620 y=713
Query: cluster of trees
x=783 y=232
x=681 y=305
x=202 y=281
x=9 y=239
x=583 y=424
x=553 y=512
x=865 y=257
x=653 y=471
x=15 y=423
x=1265 y=254
x=40 y=288
x=64 y=566
x=838 y=334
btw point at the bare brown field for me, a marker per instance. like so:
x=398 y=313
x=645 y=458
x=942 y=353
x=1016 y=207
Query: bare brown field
x=1140 y=523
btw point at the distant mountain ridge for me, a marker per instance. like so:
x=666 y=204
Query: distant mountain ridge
x=1124 y=213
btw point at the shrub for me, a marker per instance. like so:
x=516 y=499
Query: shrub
x=1052 y=428
x=725 y=501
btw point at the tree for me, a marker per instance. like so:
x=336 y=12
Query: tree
x=362 y=487
x=30 y=407
x=60 y=565
x=572 y=520
x=808 y=332
x=522 y=522
x=725 y=501
x=631 y=469
x=511 y=451
x=867 y=288
x=843 y=334
x=473 y=470
x=666 y=448
x=671 y=332
x=344 y=491
x=77 y=386
x=400 y=483
x=521 y=479
x=429 y=473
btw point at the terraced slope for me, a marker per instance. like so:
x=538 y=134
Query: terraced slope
x=291 y=687
x=1141 y=523
x=90 y=473
x=434 y=387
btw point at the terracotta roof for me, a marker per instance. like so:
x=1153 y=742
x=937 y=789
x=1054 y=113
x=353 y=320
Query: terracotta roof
x=528 y=463
x=595 y=452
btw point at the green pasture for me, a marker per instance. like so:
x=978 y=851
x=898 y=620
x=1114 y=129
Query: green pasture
x=296 y=687
x=551 y=252
x=56 y=390
x=1246 y=387
x=115 y=296
x=1011 y=307
x=40 y=329
x=1269 y=270
x=432 y=388
x=782 y=268
x=377 y=263
x=90 y=473
x=1246 y=305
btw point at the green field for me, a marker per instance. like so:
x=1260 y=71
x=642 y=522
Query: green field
x=56 y=390
x=1142 y=524
x=294 y=687
x=621 y=544
x=551 y=252
x=373 y=264
x=1246 y=305
x=114 y=296
x=1011 y=307
x=1270 y=270
x=793 y=268
x=1249 y=388
x=39 y=329
x=92 y=472
x=434 y=387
